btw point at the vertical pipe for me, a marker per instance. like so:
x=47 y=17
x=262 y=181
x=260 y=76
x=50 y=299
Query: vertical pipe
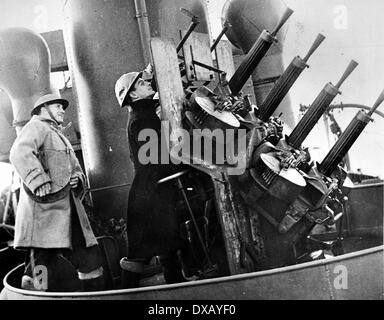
x=144 y=30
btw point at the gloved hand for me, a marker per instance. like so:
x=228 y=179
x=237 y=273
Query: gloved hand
x=74 y=182
x=43 y=190
x=147 y=73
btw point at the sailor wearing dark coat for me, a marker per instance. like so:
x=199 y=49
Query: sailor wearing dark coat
x=152 y=224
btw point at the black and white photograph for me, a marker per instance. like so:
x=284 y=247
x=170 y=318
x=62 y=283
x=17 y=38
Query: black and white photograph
x=191 y=154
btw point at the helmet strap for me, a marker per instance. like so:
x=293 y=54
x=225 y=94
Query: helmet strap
x=47 y=107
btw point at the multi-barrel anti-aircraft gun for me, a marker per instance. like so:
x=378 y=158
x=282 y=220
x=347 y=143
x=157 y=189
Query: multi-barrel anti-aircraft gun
x=279 y=182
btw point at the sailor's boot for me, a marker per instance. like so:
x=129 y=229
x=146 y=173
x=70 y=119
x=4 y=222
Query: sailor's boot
x=131 y=271
x=171 y=269
x=27 y=283
x=92 y=281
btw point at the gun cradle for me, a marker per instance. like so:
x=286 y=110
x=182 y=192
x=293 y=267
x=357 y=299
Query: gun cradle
x=279 y=183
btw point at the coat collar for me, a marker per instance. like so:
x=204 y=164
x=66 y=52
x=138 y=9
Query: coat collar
x=144 y=107
x=46 y=119
x=51 y=122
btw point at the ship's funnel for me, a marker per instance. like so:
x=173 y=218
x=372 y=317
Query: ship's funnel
x=7 y=132
x=24 y=70
x=249 y=18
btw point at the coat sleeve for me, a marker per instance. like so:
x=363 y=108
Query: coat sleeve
x=23 y=156
x=77 y=171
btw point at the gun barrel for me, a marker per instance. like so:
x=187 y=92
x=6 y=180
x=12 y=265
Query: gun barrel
x=344 y=143
x=286 y=81
x=352 y=65
x=254 y=56
x=281 y=88
x=287 y=13
x=319 y=39
x=348 y=138
x=316 y=110
x=250 y=62
x=313 y=114
x=378 y=101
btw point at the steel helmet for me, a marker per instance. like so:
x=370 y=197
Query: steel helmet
x=51 y=97
x=124 y=85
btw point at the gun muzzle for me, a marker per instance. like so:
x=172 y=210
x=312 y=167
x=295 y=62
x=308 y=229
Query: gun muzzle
x=286 y=81
x=316 y=110
x=254 y=56
x=348 y=138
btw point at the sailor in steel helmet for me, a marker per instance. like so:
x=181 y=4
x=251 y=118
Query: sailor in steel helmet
x=51 y=222
x=152 y=224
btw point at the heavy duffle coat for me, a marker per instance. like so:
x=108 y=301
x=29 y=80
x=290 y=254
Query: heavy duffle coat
x=40 y=154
